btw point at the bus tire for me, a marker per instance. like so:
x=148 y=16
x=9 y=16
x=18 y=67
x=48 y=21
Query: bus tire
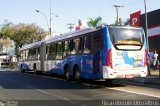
x=77 y=74
x=109 y=80
x=67 y=73
x=35 y=69
x=21 y=69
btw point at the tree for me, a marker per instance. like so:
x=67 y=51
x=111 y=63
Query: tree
x=6 y=43
x=120 y=22
x=127 y=22
x=23 y=33
x=94 y=22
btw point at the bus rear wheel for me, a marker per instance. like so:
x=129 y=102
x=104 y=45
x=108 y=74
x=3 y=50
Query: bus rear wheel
x=77 y=74
x=109 y=81
x=67 y=73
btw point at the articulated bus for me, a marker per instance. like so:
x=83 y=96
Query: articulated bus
x=106 y=52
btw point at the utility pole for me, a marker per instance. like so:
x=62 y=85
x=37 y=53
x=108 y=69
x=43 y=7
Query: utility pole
x=71 y=26
x=146 y=22
x=117 y=6
x=146 y=28
x=50 y=20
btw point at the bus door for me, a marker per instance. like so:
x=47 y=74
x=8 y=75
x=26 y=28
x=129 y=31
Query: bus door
x=91 y=60
x=87 y=55
x=96 y=62
x=96 y=48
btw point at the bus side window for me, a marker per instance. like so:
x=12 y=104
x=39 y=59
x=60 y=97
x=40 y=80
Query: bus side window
x=34 y=54
x=66 y=48
x=97 y=42
x=30 y=54
x=76 y=46
x=47 y=51
x=71 y=45
x=50 y=52
x=54 y=50
x=27 y=52
x=80 y=45
x=59 y=50
x=38 y=53
x=23 y=55
x=87 y=44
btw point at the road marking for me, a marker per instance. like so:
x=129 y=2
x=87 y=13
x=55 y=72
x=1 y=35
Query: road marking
x=133 y=92
x=45 y=77
x=42 y=91
x=118 y=89
x=97 y=85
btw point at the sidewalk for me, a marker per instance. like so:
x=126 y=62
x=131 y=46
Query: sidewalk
x=154 y=78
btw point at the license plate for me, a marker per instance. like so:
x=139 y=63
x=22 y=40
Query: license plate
x=129 y=76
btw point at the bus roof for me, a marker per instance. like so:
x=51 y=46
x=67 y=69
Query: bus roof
x=57 y=38
x=32 y=45
x=124 y=26
x=70 y=34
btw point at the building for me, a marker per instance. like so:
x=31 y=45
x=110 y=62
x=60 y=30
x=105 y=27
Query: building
x=153 y=28
x=7 y=51
x=153 y=18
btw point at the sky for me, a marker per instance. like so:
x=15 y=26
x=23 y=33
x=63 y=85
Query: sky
x=69 y=11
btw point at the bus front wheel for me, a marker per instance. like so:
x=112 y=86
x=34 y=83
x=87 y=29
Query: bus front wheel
x=21 y=68
x=67 y=73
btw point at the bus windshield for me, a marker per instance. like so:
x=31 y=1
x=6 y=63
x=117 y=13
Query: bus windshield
x=126 y=36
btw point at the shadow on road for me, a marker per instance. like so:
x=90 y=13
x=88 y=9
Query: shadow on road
x=18 y=80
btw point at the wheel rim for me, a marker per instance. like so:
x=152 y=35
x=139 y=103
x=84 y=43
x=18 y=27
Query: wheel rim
x=35 y=70
x=67 y=73
x=21 y=68
x=77 y=74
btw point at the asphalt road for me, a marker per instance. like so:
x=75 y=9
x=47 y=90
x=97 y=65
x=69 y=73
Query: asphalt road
x=25 y=89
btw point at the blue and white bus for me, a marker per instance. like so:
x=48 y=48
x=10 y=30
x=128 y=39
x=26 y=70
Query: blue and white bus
x=107 y=52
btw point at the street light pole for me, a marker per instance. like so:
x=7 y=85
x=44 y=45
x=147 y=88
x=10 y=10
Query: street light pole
x=117 y=6
x=50 y=20
x=45 y=19
x=146 y=22
x=146 y=28
x=49 y=23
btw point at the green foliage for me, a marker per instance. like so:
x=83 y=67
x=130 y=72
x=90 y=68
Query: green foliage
x=127 y=22
x=120 y=22
x=23 y=33
x=1 y=35
x=94 y=22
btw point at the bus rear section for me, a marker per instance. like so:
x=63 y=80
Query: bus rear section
x=126 y=53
